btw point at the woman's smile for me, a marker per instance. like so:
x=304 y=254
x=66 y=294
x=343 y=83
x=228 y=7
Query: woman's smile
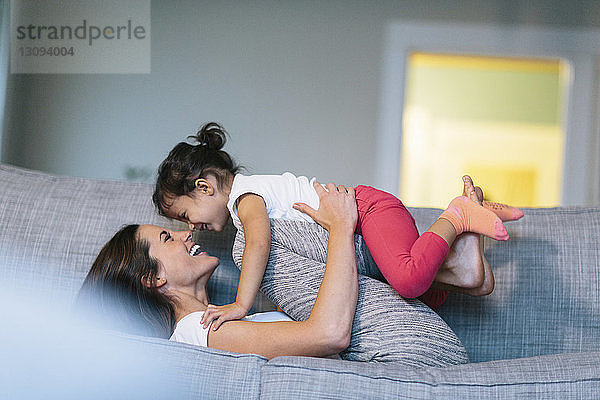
x=195 y=250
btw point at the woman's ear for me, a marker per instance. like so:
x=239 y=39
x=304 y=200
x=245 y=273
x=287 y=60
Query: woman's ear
x=204 y=186
x=158 y=281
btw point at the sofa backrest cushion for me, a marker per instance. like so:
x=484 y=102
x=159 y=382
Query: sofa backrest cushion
x=547 y=294
x=53 y=227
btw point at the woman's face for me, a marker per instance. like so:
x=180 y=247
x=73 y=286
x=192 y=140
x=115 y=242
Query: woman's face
x=181 y=261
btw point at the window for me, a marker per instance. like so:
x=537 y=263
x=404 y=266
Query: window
x=497 y=119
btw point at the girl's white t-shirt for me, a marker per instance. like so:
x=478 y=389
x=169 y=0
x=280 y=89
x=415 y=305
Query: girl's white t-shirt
x=190 y=330
x=279 y=192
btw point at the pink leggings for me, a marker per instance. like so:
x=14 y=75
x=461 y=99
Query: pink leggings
x=408 y=262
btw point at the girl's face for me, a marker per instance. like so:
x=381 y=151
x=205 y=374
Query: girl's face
x=181 y=261
x=204 y=209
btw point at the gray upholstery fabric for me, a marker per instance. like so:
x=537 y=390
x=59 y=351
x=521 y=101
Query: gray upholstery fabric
x=547 y=295
x=201 y=372
x=568 y=376
x=386 y=328
x=53 y=228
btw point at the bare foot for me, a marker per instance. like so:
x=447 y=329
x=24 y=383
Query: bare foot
x=487 y=286
x=466 y=269
x=463 y=266
x=457 y=263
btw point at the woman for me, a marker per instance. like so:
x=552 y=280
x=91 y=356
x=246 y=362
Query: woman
x=152 y=276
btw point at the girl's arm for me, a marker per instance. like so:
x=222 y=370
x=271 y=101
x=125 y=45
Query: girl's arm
x=257 y=232
x=328 y=328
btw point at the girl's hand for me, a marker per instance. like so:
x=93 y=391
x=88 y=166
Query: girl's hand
x=220 y=314
x=337 y=207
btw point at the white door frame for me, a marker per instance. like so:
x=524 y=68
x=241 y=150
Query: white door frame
x=580 y=48
x=4 y=60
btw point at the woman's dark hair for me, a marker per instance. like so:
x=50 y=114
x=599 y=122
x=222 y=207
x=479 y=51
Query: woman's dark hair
x=114 y=293
x=177 y=174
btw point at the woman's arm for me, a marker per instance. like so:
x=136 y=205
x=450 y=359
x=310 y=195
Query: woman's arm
x=327 y=330
x=253 y=215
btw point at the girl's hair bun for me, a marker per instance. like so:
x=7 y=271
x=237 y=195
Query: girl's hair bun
x=212 y=135
x=187 y=162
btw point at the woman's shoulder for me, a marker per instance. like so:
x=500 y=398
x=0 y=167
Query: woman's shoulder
x=189 y=330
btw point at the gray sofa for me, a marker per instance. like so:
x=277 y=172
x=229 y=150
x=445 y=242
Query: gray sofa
x=537 y=335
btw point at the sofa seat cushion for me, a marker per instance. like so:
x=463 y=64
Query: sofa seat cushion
x=566 y=376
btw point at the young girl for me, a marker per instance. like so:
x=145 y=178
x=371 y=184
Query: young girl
x=200 y=185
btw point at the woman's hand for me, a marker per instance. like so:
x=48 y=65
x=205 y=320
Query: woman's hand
x=328 y=329
x=337 y=207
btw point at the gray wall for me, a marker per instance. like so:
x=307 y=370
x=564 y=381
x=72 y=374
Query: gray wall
x=296 y=83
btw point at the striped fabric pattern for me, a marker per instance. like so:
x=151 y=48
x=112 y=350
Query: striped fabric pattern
x=386 y=328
